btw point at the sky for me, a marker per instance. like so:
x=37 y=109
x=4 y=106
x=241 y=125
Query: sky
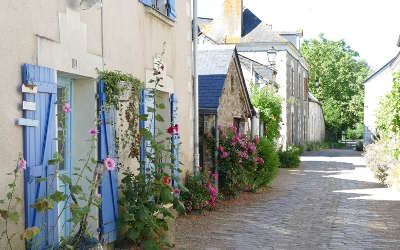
x=370 y=27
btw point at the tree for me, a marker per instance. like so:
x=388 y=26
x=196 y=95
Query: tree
x=269 y=103
x=341 y=75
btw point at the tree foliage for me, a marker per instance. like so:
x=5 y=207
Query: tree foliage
x=341 y=75
x=269 y=103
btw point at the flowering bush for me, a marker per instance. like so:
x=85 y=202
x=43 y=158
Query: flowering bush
x=237 y=161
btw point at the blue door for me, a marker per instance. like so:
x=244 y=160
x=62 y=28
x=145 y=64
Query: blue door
x=64 y=95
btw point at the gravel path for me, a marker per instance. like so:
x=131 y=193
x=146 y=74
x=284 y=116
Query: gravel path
x=330 y=202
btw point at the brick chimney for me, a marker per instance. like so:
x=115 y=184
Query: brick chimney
x=227 y=25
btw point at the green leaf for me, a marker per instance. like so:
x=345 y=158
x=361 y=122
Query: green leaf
x=143 y=117
x=58 y=196
x=151 y=110
x=66 y=179
x=150 y=245
x=159 y=118
x=76 y=189
x=30 y=233
x=42 y=205
x=178 y=206
x=160 y=106
x=13 y=216
x=133 y=234
x=38 y=180
x=165 y=195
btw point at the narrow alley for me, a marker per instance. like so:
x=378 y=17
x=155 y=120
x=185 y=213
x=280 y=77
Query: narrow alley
x=330 y=202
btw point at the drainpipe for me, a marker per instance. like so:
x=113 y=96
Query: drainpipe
x=195 y=90
x=102 y=35
x=216 y=149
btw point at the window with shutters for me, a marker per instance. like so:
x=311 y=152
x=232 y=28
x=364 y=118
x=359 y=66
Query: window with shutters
x=164 y=7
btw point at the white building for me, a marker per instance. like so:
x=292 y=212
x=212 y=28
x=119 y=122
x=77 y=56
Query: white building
x=378 y=85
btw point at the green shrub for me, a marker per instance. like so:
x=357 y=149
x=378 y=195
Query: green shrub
x=267 y=171
x=356 y=132
x=289 y=158
x=197 y=195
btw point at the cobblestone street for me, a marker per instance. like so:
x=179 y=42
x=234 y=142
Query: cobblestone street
x=330 y=202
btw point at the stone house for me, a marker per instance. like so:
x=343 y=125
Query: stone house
x=55 y=47
x=223 y=96
x=378 y=85
x=254 y=38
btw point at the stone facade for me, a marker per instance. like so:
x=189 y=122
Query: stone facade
x=233 y=108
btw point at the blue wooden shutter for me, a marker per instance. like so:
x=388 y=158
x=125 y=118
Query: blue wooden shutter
x=147 y=2
x=175 y=137
x=146 y=102
x=39 y=148
x=108 y=186
x=171 y=9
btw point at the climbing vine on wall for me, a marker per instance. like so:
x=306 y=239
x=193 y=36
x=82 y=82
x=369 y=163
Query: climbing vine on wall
x=123 y=91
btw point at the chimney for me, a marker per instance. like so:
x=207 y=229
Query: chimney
x=228 y=23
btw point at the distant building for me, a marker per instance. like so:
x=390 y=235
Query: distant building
x=235 y=25
x=376 y=87
x=223 y=96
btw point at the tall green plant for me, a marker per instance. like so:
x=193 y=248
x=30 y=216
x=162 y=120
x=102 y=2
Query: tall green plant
x=269 y=104
x=148 y=198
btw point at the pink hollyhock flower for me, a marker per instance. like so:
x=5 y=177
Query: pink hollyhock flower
x=221 y=148
x=92 y=132
x=170 y=130
x=213 y=192
x=251 y=148
x=243 y=144
x=224 y=155
x=162 y=67
x=177 y=191
x=233 y=128
x=215 y=175
x=109 y=163
x=219 y=127
x=22 y=165
x=256 y=139
x=67 y=108
x=260 y=161
x=234 y=141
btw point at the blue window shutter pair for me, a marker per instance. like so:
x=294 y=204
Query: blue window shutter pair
x=171 y=9
x=175 y=137
x=146 y=151
x=39 y=148
x=109 y=182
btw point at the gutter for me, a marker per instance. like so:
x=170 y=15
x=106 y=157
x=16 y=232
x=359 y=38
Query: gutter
x=196 y=154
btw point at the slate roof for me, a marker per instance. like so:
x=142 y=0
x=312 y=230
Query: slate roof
x=213 y=64
x=263 y=33
x=214 y=59
x=250 y=21
x=263 y=70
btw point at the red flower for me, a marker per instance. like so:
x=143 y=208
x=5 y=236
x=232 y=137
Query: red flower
x=166 y=180
x=176 y=128
x=170 y=130
x=177 y=191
